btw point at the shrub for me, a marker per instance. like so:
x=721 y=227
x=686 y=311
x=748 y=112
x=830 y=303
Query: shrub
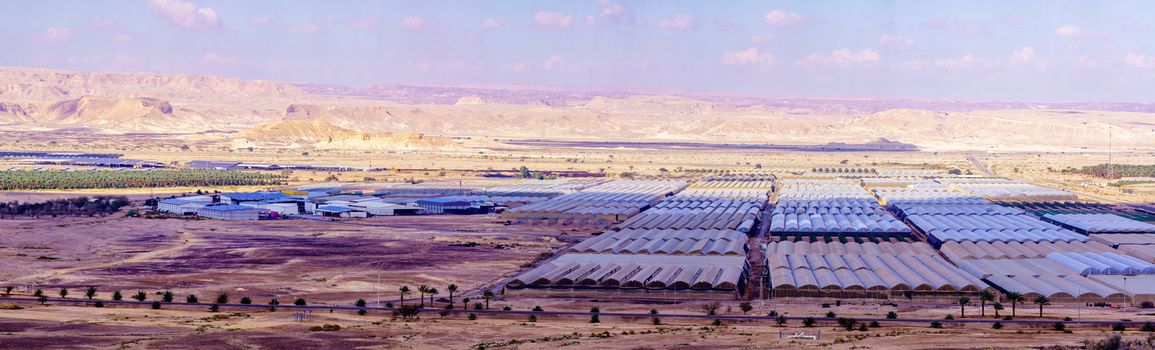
x=1118 y=327
x=1067 y=319
x=223 y=298
x=1148 y=327
x=653 y=311
x=472 y=316
x=862 y=327
x=537 y=308
x=507 y=308
x=191 y=299
x=325 y=328
x=936 y=324
x=246 y=301
x=772 y=313
x=389 y=304
x=949 y=317
x=595 y=309
x=532 y=318
x=1007 y=318
x=891 y=315
x=99 y=304
x=156 y=305
x=594 y=319
x=997 y=325
x=478 y=306
x=874 y=324
x=214 y=308
x=808 y=322
x=1059 y=326
x=847 y=323
x=362 y=312
x=359 y=303
x=717 y=322
x=300 y=302
x=116 y=296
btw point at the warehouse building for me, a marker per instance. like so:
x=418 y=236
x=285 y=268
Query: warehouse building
x=229 y=212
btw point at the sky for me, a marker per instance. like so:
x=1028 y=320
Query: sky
x=1045 y=51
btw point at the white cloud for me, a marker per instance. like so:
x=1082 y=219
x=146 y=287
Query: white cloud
x=680 y=21
x=1026 y=57
x=185 y=14
x=218 y=59
x=1074 y=32
x=783 y=19
x=260 y=21
x=58 y=33
x=412 y=23
x=552 y=19
x=749 y=56
x=518 y=67
x=964 y=62
x=102 y=23
x=895 y=42
x=490 y=23
x=1140 y=61
x=612 y=13
x=554 y=63
x=843 y=58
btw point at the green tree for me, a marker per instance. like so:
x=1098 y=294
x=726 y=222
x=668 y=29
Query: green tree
x=1015 y=298
x=246 y=301
x=359 y=303
x=116 y=295
x=42 y=299
x=423 y=289
x=214 y=308
x=984 y=297
x=90 y=292
x=452 y=288
x=403 y=290
x=63 y=293
x=745 y=307
x=524 y=172
x=998 y=307
x=223 y=298
x=1042 y=301
x=963 y=301
x=167 y=296
x=38 y=292
x=191 y=299
x=488 y=295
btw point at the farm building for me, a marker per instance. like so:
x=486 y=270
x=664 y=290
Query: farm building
x=241 y=197
x=666 y=277
x=339 y=211
x=385 y=209
x=229 y=212
x=455 y=205
x=279 y=208
x=179 y=206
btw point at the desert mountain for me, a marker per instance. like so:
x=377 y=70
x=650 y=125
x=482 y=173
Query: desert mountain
x=35 y=100
x=324 y=135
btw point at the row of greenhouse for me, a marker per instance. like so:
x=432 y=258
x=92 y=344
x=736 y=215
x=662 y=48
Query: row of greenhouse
x=957 y=251
x=610 y=202
x=666 y=242
x=816 y=274
x=1099 y=223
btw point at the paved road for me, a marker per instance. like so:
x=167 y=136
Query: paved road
x=587 y=314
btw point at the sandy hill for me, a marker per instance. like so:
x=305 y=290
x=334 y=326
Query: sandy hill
x=325 y=135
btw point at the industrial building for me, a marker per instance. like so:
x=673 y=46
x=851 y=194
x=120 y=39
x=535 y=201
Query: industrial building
x=229 y=212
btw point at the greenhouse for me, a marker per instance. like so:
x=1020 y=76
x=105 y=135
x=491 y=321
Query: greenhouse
x=646 y=276
x=1099 y=223
x=666 y=242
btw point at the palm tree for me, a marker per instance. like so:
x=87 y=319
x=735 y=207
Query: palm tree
x=90 y=293
x=404 y=290
x=452 y=288
x=962 y=303
x=1041 y=301
x=984 y=297
x=1015 y=298
x=998 y=307
x=432 y=292
x=423 y=289
x=488 y=295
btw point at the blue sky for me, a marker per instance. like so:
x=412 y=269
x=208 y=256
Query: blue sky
x=969 y=50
